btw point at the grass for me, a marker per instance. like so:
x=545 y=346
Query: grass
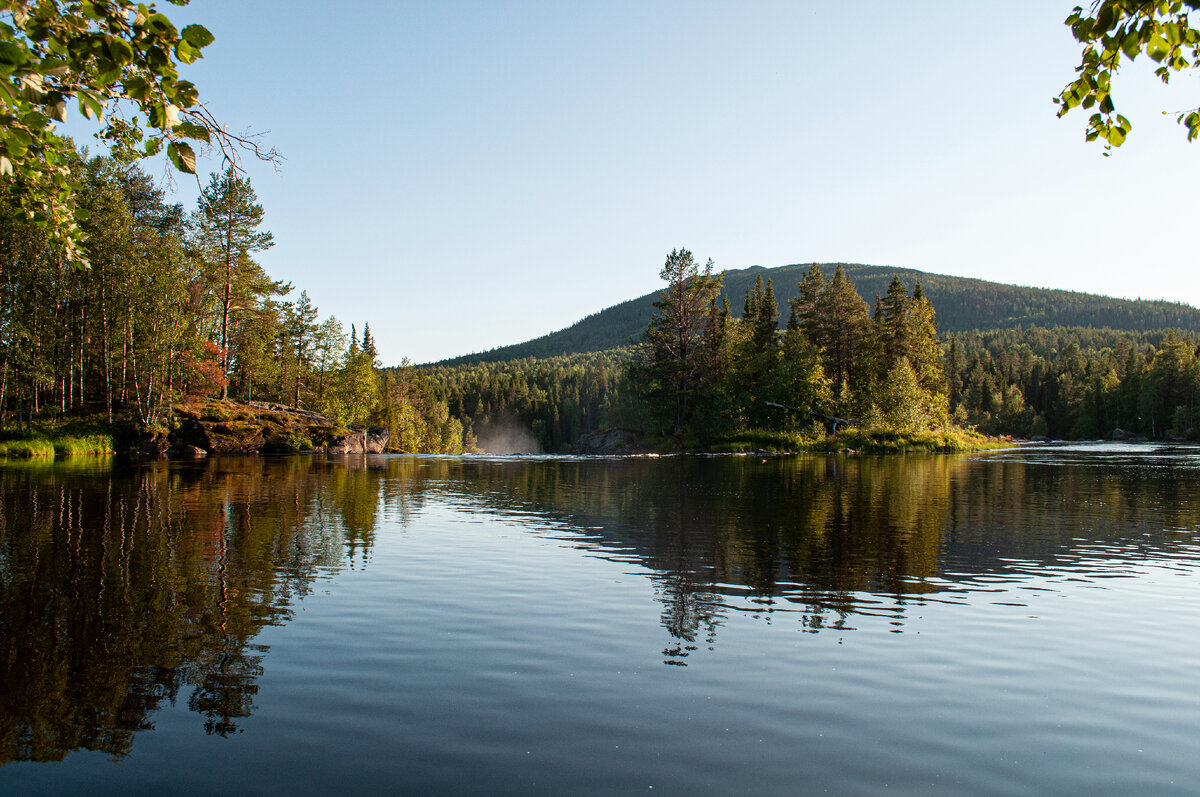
x=93 y=445
x=878 y=440
x=37 y=446
x=26 y=448
x=761 y=440
x=884 y=440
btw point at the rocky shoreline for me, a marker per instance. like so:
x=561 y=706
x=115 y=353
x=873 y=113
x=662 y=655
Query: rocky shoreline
x=246 y=428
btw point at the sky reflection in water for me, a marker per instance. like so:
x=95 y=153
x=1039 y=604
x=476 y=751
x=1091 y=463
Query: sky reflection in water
x=1020 y=621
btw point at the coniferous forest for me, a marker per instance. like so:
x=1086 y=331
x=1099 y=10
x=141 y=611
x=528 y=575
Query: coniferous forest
x=174 y=307
x=704 y=376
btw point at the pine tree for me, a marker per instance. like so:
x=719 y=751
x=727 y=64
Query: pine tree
x=805 y=310
x=227 y=238
x=921 y=347
x=677 y=364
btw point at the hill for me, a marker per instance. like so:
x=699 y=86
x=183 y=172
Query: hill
x=962 y=304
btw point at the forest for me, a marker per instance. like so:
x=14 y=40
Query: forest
x=884 y=365
x=963 y=304
x=174 y=308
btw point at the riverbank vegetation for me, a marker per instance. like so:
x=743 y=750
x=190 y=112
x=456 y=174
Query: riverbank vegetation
x=174 y=307
x=174 y=310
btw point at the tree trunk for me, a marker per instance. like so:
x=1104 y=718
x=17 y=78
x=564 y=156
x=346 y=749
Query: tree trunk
x=225 y=302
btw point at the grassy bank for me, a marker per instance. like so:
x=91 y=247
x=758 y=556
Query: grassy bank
x=866 y=440
x=63 y=446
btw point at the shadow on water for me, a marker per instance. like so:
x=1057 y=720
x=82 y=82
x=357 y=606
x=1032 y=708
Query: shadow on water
x=122 y=591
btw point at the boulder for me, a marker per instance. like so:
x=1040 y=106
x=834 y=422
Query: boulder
x=149 y=446
x=185 y=451
x=360 y=441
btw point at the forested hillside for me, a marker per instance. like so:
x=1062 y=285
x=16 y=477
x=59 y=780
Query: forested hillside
x=962 y=305
x=705 y=377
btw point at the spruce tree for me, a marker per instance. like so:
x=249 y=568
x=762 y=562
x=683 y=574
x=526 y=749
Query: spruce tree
x=368 y=343
x=677 y=364
x=841 y=326
x=894 y=326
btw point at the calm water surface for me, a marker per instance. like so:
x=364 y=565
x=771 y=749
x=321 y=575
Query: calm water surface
x=1026 y=622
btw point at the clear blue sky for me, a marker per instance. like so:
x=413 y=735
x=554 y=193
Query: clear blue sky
x=465 y=175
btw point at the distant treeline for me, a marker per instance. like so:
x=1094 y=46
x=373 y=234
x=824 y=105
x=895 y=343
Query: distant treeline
x=963 y=304
x=1076 y=383
x=835 y=358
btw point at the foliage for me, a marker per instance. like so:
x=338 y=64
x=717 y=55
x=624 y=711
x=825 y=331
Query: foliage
x=176 y=308
x=295 y=441
x=119 y=63
x=880 y=440
x=1068 y=382
x=1112 y=31
x=555 y=400
x=677 y=359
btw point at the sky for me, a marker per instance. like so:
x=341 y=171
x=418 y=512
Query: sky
x=466 y=175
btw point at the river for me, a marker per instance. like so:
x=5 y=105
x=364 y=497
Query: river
x=1016 y=622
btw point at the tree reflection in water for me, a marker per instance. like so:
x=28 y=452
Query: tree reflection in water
x=120 y=592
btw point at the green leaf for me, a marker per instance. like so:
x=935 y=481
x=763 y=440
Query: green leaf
x=182 y=156
x=1116 y=136
x=185 y=52
x=57 y=106
x=12 y=55
x=153 y=145
x=90 y=106
x=16 y=143
x=192 y=130
x=197 y=36
x=1157 y=48
x=160 y=23
x=119 y=50
x=1131 y=45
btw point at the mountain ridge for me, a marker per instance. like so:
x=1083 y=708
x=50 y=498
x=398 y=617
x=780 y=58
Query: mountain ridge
x=962 y=304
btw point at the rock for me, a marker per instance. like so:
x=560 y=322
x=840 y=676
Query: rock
x=607 y=441
x=149 y=446
x=238 y=428
x=186 y=452
x=360 y=441
x=271 y=406
x=1176 y=438
x=1041 y=438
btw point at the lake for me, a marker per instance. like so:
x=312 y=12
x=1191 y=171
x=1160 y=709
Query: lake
x=1017 y=622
